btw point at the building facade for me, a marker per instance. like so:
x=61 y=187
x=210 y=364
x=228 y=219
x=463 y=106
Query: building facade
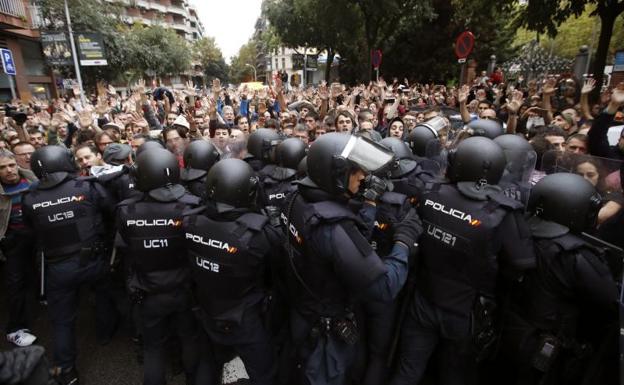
x=175 y=14
x=19 y=32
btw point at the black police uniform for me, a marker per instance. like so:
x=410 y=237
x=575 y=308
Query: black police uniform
x=540 y=341
x=333 y=266
x=277 y=185
x=229 y=257
x=67 y=217
x=380 y=318
x=120 y=184
x=464 y=242
x=153 y=237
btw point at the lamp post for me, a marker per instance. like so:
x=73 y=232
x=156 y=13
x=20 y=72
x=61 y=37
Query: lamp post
x=73 y=48
x=254 y=69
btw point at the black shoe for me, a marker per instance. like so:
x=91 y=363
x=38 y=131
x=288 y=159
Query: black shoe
x=67 y=377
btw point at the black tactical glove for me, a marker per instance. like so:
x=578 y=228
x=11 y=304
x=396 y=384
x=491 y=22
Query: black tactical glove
x=374 y=187
x=408 y=230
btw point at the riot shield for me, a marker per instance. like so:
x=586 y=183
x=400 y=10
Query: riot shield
x=516 y=179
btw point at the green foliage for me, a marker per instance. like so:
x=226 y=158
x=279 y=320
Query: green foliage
x=239 y=64
x=573 y=33
x=91 y=16
x=156 y=49
x=208 y=54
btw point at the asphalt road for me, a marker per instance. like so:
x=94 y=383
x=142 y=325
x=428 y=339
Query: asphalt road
x=115 y=363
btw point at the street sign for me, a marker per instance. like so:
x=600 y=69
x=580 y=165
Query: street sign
x=7 y=62
x=376 y=56
x=91 y=49
x=464 y=44
x=56 y=49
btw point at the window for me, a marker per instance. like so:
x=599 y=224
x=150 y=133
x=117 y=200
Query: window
x=276 y=64
x=283 y=51
x=283 y=63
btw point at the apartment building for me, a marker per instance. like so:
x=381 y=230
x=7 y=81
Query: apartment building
x=19 y=32
x=178 y=15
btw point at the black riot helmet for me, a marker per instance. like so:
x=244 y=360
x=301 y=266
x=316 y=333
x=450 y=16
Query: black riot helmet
x=156 y=168
x=519 y=154
x=289 y=153
x=405 y=163
x=302 y=167
x=333 y=157
x=567 y=199
x=262 y=142
x=513 y=142
x=199 y=157
x=486 y=127
x=424 y=140
x=476 y=159
x=52 y=164
x=149 y=145
x=231 y=184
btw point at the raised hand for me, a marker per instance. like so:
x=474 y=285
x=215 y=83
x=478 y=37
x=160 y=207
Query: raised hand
x=323 y=91
x=85 y=119
x=549 y=86
x=462 y=94
x=216 y=85
x=517 y=98
x=588 y=86
x=617 y=95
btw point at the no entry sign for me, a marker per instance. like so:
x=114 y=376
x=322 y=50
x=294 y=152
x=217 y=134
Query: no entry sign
x=464 y=44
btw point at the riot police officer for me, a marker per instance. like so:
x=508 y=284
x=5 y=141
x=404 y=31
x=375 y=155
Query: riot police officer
x=277 y=183
x=152 y=237
x=199 y=157
x=521 y=159
x=67 y=216
x=427 y=141
x=471 y=229
x=332 y=265
x=261 y=149
x=542 y=339
x=229 y=247
x=408 y=176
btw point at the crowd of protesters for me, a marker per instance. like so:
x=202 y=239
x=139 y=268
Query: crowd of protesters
x=104 y=129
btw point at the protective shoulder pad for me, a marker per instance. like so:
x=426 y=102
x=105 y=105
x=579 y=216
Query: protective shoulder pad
x=89 y=178
x=253 y=221
x=190 y=199
x=130 y=201
x=505 y=201
x=330 y=210
x=193 y=211
x=393 y=198
x=569 y=242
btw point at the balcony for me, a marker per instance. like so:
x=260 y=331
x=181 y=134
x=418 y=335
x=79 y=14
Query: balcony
x=13 y=8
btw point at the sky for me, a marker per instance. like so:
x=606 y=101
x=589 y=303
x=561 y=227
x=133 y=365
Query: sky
x=230 y=22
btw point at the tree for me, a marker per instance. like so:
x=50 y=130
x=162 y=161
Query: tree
x=325 y=25
x=206 y=52
x=241 y=65
x=91 y=16
x=545 y=16
x=157 y=50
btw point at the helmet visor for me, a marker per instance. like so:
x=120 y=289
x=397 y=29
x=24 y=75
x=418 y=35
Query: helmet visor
x=366 y=154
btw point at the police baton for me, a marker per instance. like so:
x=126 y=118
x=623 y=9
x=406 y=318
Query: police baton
x=42 y=276
x=113 y=257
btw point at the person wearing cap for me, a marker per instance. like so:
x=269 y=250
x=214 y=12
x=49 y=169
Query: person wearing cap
x=116 y=178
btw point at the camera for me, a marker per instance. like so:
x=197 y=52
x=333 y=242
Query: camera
x=12 y=112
